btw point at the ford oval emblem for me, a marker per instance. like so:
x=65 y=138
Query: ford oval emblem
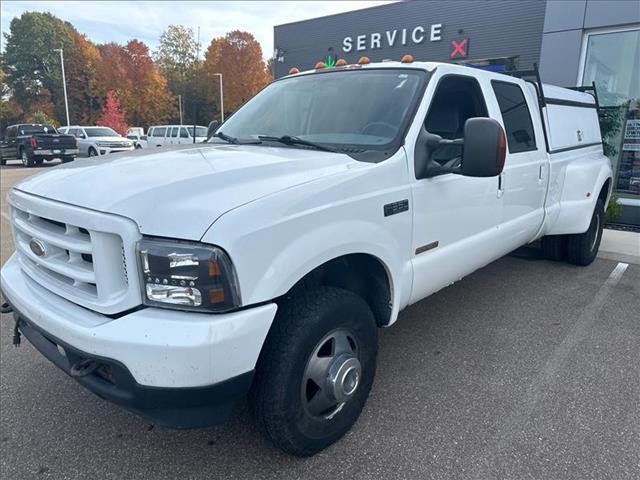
x=37 y=247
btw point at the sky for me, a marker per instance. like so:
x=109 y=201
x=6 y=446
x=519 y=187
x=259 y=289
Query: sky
x=119 y=21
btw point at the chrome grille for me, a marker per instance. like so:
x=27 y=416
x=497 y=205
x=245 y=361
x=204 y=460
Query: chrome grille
x=85 y=263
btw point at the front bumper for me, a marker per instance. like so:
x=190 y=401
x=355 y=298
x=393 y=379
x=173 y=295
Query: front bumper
x=180 y=369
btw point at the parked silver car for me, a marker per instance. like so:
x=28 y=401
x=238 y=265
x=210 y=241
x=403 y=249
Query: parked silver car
x=93 y=141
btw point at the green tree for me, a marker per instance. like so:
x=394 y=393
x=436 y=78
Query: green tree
x=41 y=117
x=31 y=65
x=176 y=55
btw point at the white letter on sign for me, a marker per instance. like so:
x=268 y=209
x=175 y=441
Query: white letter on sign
x=416 y=38
x=436 y=32
x=375 y=40
x=346 y=44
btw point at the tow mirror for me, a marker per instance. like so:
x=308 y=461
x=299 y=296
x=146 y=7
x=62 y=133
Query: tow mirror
x=484 y=149
x=211 y=129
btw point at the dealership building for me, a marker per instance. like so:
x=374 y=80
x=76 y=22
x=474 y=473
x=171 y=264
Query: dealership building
x=574 y=42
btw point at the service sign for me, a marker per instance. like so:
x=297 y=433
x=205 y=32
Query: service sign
x=391 y=38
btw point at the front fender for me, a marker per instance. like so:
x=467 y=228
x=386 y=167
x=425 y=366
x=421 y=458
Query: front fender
x=275 y=241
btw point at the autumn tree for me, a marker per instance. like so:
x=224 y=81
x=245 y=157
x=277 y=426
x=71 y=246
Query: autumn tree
x=112 y=114
x=238 y=57
x=140 y=87
x=82 y=63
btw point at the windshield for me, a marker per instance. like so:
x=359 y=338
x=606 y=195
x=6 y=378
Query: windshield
x=100 y=132
x=363 y=108
x=200 y=131
x=33 y=129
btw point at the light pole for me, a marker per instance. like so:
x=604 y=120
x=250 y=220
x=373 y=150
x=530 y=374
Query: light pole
x=64 y=84
x=221 y=99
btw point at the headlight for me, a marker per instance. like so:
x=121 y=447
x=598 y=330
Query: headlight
x=189 y=276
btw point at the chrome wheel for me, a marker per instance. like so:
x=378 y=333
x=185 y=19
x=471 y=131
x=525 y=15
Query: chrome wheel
x=332 y=374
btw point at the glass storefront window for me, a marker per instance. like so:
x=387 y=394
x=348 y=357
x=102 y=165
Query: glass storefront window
x=612 y=62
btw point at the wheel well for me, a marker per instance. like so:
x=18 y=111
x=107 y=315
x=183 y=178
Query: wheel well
x=360 y=273
x=604 y=191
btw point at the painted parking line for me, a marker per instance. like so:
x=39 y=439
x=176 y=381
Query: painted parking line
x=514 y=424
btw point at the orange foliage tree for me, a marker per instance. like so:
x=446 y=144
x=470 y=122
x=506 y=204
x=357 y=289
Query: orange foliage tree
x=112 y=114
x=142 y=90
x=238 y=57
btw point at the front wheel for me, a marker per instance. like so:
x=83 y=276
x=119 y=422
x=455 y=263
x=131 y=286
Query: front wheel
x=316 y=370
x=93 y=152
x=583 y=248
x=68 y=159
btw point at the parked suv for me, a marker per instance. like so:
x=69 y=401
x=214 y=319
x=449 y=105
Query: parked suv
x=93 y=141
x=264 y=261
x=162 y=135
x=33 y=143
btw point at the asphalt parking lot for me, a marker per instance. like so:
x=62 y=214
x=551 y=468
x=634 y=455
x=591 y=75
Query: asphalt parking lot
x=525 y=369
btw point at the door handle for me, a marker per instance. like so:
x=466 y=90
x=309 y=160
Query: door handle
x=540 y=174
x=500 y=191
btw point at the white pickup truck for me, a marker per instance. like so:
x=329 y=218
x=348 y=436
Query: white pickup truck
x=262 y=263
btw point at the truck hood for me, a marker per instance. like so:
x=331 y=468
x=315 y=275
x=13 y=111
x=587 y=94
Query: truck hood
x=179 y=192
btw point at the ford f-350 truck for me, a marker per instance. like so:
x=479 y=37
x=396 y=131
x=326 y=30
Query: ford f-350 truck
x=175 y=282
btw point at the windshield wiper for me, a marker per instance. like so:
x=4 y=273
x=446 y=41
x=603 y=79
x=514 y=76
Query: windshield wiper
x=234 y=140
x=289 y=140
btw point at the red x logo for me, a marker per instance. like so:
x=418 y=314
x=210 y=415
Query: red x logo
x=459 y=48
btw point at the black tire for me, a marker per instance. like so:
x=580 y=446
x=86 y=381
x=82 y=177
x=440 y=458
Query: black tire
x=138 y=147
x=554 y=247
x=67 y=159
x=3 y=161
x=583 y=248
x=38 y=161
x=279 y=397
x=93 y=152
x=27 y=159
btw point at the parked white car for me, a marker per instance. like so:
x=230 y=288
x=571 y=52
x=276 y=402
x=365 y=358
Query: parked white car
x=162 y=135
x=94 y=141
x=176 y=281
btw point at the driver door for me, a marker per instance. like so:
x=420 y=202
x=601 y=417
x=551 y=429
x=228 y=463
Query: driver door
x=455 y=218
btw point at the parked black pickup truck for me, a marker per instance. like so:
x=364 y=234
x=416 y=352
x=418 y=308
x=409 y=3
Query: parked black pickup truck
x=33 y=143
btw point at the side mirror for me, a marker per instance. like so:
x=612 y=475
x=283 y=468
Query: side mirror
x=485 y=148
x=211 y=129
x=143 y=137
x=81 y=135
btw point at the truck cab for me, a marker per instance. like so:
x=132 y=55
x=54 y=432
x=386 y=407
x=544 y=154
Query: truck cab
x=264 y=261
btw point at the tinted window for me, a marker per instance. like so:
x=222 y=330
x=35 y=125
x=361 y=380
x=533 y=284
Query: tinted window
x=159 y=131
x=184 y=133
x=516 y=117
x=174 y=132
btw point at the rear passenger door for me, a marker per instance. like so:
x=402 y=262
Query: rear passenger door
x=175 y=140
x=523 y=181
